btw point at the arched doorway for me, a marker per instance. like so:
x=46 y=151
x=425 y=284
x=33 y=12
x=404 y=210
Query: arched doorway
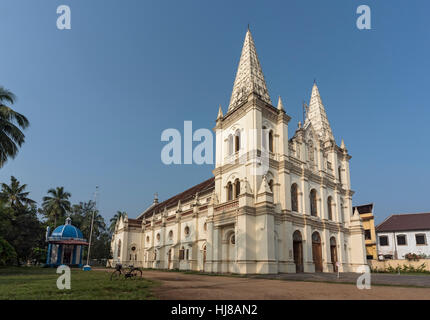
x=169 y=259
x=204 y=256
x=231 y=254
x=298 y=251
x=317 y=252
x=333 y=253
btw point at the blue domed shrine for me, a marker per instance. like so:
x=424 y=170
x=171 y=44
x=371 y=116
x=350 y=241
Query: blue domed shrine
x=65 y=245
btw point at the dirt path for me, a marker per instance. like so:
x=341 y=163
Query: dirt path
x=176 y=285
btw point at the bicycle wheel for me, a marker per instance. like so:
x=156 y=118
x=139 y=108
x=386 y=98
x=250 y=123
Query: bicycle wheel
x=116 y=275
x=136 y=273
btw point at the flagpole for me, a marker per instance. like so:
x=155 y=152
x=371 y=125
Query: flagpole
x=92 y=223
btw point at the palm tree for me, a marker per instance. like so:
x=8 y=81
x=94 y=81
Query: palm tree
x=115 y=219
x=11 y=137
x=57 y=204
x=14 y=194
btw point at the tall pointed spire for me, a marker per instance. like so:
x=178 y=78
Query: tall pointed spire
x=317 y=116
x=249 y=76
x=280 y=104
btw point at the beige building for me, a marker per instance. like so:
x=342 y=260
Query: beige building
x=368 y=220
x=275 y=204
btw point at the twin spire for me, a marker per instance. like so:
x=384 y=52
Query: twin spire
x=317 y=117
x=249 y=76
x=250 y=79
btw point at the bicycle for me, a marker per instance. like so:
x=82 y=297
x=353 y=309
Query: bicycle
x=131 y=272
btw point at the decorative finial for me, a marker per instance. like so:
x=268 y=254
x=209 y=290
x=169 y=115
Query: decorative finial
x=220 y=114
x=280 y=104
x=342 y=144
x=299 y=125
x=156 y=197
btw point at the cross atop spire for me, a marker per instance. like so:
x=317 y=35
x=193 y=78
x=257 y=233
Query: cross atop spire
x=317 y=116
x=249 y=76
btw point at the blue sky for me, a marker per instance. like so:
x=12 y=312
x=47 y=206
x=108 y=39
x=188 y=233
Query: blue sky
x=98 y=96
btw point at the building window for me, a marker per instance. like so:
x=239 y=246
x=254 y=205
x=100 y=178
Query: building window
x=187 y=254
x=158 y=237
x=330 y=208
x=170 y=234
x=383 y=240
x=313 y=201
x=119 y=248
x=401 y=240
x=294 y=198
x=237 y=141
x=229 y=191
x=205 y=226
x=271 y=185
x=339 y=172
x=181 y=253
x=369 y=257
x=271 y=141
x=367 y=235
x=420 y=239
x=147 y=239
x=230 y=144
x=236 y=188
x=233 y=239
x=187 y=230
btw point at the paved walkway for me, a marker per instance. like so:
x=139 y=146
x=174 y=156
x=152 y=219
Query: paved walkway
x=181 y=286
x=376 y=278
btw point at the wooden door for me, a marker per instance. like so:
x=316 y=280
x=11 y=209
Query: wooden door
x=298 y=255
x=333 y=253
x=317 y=252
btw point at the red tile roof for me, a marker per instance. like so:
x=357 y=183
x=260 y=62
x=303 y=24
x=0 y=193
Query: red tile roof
x=202 y=187
x=405 y=222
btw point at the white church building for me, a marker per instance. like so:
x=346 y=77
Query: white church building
x=274 y=204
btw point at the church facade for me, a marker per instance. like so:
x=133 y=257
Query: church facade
x=274 y=204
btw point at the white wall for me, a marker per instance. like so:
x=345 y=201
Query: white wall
x=410 y=247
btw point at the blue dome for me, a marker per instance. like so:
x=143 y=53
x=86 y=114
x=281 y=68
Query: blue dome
x=67 y=231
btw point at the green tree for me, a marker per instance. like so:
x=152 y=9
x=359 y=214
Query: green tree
x=11 y=123
x=14 y=194
x=7 y=252
x=115 y=219
x=56 y=205
x=25 y=232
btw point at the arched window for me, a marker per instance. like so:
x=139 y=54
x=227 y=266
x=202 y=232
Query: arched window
x=170 y=234
x=119 y=248
x=330 y=208
x=230 y=144
x=187 y=230
x=237 y=141
x=294 y=198
x=229 y=191
x=313 y=201
x=271 y=185
x=339 y=172
x=263 y=138
x=233 y=239
x=271 y=141
x=236 y=188
x=297 y=236
x=341 y=212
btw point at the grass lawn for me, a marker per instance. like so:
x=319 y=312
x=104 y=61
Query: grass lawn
x=35 y=283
